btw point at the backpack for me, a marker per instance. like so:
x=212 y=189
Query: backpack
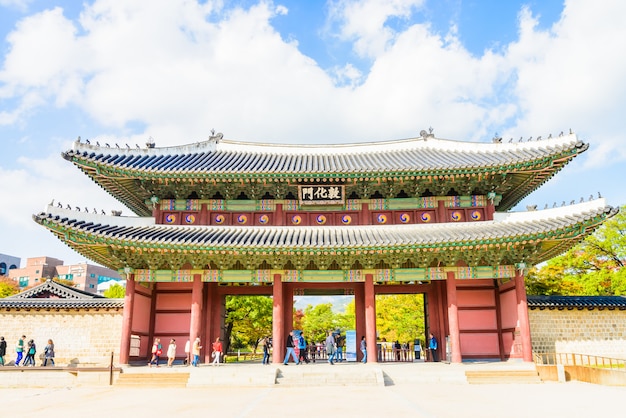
x=301 y=342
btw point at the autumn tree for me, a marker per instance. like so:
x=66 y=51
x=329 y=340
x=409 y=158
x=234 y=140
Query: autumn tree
x=400 y=317
x=8 y=287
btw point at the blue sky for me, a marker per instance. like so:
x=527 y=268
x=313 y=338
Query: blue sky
x=299 y=72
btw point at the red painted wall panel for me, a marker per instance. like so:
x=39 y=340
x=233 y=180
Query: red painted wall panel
x=508 y=309
x=141 y=314
x=170 y=301
x=483 y=344
x=475 y=298
x=477 y=320
x=171 y=323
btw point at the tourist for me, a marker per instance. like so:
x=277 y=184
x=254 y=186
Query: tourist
x=331 y=347
x=217 y=351
x=432 y=347
x=302 y=346
x=397 y=348
x=3 y=350
x=31 y=350
x=19 y=349
x=364 y=349
x=290 y=351
x=171 y=352
x=266 y=350
x=48 y=353
x=187 y=352
x=340 y=344
x=156 y=352
x=196 y=352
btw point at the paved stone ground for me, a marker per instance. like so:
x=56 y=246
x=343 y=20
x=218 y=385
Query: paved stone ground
x=416 y=400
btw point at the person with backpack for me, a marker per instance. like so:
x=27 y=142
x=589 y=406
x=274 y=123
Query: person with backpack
x=340 y=344
x=31 y=350
x=302 y=345
x=266 y=350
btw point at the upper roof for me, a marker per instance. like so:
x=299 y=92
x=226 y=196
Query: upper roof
x=54 y=295
x=578 y=302
x=121 y=170
x=531 y=236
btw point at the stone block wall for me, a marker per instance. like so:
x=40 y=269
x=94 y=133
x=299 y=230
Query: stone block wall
x=597 y=332
x=85 y=337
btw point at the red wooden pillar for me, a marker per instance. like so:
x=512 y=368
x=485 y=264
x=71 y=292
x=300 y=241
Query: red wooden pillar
x=212 y=299
x=278 y=327
x=370 y=319
x=522 y=316
x=453 y=320
x=359 y=313
x=195 y=322
x=279 y=215
x=127 y=320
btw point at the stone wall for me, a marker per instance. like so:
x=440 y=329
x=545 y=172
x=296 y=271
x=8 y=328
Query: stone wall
x=598 y=332
x=81 y=337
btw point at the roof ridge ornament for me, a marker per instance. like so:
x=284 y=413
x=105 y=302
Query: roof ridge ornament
x=215 y=138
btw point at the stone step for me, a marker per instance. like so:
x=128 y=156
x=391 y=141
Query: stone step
x=130 y=379
x=502 y=376
x=226 y=375
x=328 y=376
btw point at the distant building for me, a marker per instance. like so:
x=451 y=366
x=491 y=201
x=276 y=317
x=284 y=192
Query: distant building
x=84 y=276
x=8 y=262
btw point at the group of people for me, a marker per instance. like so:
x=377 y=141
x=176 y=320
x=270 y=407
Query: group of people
x=190 y=349
x=297 y=348
x=30 y=349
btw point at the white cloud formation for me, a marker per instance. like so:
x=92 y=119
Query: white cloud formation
x=181 y=68
x=364 y=22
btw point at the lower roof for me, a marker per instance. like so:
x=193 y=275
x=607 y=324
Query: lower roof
x=576 y=302
x=531 y=237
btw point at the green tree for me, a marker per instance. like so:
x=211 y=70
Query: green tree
x=318 y=320
x=594 y=267
x=115 y=291
x=248 y=320
x=8 y=287
x=400 y=317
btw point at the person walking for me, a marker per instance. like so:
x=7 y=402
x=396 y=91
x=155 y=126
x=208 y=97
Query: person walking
x=157 y=349
x=171 y=352
x=196 y=352
x=31 y=350
x=187 y=352
x=302 y=346
x=3 y=350
x=48 y=353
x=364 y=349
x=290 y=351
x=331 y=347
x=340 y=340
x=217 y=351
x=266 y=350
x=19 y=349
x=432 y=347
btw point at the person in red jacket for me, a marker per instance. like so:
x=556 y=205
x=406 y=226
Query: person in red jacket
x=217 y=351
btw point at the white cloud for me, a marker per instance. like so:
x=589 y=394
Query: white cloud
x=21 y=5
x=572 y=76
x=364 y=22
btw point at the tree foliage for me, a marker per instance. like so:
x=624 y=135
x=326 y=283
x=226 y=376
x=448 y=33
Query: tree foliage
x=248 y=320
x=400 y=317
x=595 y=267
x=318 y=320
x=115 y=291
x=8 y=287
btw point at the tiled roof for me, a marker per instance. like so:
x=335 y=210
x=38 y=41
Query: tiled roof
x=53 y=304
x=64 y=297
x=57 y=289
x=551 y=224
x=418 y=154
x=577 y=302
